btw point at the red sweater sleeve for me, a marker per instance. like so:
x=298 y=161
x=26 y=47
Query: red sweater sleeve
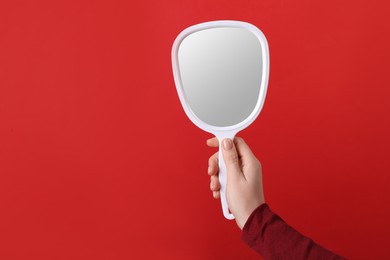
x=273 y=238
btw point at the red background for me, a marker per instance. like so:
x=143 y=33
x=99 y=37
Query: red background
x=98 y=160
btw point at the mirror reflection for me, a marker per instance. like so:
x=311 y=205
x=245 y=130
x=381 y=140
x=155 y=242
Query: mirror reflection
x=221 y=72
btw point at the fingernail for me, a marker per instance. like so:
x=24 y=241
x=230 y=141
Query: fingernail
x=227 y=144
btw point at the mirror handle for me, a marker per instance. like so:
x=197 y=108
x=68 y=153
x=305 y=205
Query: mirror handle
x=223 y=181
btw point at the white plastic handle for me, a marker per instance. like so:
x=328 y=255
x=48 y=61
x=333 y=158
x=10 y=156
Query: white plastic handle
x=223 y=181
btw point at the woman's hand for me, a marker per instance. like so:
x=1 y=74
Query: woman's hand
x=244 y=191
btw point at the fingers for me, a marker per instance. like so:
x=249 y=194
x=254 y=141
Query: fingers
x=214 y=183
x=213 y=165
x=213 y=172
x=212 y=142
x=215 y=186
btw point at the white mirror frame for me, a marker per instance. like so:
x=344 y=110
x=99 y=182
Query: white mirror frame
x=228 y=131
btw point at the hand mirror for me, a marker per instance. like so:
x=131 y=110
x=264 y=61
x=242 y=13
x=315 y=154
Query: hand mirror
x=221 y=73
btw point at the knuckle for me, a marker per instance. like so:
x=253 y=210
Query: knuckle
x=213 y=160
x=210 y=160
x=240 y=139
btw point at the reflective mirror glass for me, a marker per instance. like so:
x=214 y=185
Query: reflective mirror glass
x=221 y=72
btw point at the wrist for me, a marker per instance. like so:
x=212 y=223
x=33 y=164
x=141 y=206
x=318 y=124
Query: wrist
x=243 y=219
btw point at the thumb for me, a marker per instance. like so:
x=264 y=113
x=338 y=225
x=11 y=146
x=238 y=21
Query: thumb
x=230 y=156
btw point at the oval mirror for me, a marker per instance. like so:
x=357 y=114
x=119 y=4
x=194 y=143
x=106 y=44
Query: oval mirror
x=221 y=71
